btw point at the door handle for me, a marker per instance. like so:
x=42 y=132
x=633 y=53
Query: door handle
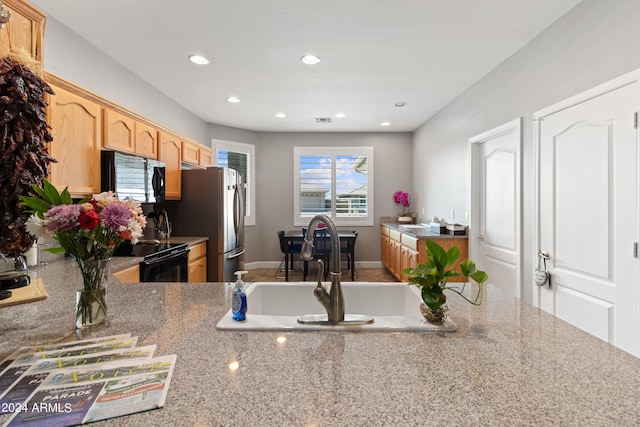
x=481 y=237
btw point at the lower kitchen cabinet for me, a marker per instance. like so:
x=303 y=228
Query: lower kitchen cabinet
x=402 y=250
x=198 y=263
x=128 y=275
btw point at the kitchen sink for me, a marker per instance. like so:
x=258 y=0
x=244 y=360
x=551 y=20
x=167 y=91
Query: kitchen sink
x=394 y=306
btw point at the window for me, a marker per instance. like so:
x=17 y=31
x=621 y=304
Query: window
x=241 y=157
x=335 y=181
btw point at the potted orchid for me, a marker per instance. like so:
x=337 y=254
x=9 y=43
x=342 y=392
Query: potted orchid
x=401 y=199
x=89 y=231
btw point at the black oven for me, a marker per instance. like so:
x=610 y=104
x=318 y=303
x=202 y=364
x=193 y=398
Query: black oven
x=168 y=263
x=161 y=261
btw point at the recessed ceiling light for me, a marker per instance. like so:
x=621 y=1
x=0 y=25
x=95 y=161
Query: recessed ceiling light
x=400 y=104
x=310 y=59
x=385 y=124
x=281 y=115
x=198 y=59
x=233 y=99
x=340 y=115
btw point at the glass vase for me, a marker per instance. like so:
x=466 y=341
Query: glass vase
x=438 y=315
x=91 y=291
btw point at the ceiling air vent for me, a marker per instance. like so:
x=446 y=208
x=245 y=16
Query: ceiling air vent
x=323 y=119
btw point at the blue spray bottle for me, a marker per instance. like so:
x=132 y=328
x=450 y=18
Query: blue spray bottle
x=239 y=299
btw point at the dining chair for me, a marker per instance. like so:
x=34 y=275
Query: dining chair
x=322 y=250
x=294 y=248
x=347 y=246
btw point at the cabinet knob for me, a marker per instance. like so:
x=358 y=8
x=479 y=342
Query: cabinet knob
x=481 y=237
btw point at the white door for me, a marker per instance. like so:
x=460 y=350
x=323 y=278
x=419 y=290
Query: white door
x=495 y=239
x=588 y=212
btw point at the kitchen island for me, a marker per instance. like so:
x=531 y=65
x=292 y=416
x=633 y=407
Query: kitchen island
x=507 y=364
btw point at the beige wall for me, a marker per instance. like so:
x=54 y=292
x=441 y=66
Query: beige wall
x=274 y=186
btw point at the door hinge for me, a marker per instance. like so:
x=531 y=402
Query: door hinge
x=635 y=249
x=635 y=120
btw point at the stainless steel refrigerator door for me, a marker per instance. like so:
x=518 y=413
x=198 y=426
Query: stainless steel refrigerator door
x=233 y=261
x=233 y=207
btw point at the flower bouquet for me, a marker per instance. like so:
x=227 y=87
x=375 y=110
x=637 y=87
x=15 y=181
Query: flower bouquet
x=89 y=231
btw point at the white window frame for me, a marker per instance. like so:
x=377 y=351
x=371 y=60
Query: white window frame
x=333 y=151
x=250 y=151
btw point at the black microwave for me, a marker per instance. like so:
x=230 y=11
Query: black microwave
x=133 y=177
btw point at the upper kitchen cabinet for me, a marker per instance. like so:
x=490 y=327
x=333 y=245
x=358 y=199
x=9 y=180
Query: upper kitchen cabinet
x=76 y=128
x=169 y=152
x=118 y=131
x=26 y=29
x=190 y=153
x=206 y=158
x=196 y=155
x=146 y=140
x=126 y=134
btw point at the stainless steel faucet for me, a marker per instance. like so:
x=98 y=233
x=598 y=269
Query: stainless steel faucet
x=333 y=302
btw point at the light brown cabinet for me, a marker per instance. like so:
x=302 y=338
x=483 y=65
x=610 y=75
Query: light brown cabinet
x=409 y=254
x=403 y=250
x=76 y=128
x=124 y=133
x=128 y=275
x=169 y=152
x=206 y=158
x=190 y=153
x=197 y=271
x=26 y=29
x=118 y=131
x=196 y=154
x=146 y=140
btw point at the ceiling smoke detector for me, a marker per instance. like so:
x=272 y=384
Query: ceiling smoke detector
x=323 y=119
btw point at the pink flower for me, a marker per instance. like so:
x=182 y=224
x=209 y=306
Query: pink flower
x=115 y=215
x=62 y=218
x=402 y=198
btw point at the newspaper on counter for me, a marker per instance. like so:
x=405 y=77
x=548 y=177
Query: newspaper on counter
x=78 y=395
x=30 y=379
x=24 y=357
x=49 y=347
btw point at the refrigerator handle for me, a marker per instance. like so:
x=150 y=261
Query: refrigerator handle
x=238 y=209
x=236 y=255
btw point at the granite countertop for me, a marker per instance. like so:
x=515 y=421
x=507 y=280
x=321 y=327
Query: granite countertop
x=420 y=233
x=507 y=364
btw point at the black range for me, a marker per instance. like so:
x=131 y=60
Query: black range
x=162 y=261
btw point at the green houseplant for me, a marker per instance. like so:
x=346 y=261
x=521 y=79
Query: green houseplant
x=432 y=276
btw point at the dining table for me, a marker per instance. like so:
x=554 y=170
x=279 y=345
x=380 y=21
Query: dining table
x=347 y=240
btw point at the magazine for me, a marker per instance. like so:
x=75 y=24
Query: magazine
x=37 y=372
x=71 y=396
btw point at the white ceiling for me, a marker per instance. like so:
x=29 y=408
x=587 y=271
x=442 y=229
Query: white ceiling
x=374 y=53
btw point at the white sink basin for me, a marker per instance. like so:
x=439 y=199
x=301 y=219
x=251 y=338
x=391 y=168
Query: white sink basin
x=277 y=305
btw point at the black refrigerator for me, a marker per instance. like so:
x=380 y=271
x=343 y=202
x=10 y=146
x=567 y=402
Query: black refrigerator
x=212 y=205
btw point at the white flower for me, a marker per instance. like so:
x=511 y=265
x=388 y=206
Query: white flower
x=37 y=226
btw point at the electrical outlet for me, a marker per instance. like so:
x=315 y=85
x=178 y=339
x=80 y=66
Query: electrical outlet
x=453 y=213
x=466 y=215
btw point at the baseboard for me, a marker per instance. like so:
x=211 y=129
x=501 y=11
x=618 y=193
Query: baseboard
x=275 y=264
